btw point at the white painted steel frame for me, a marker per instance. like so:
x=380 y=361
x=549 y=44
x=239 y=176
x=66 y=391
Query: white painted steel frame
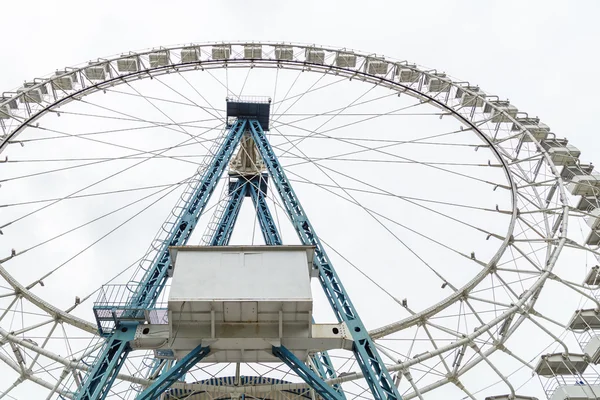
x=27 y=113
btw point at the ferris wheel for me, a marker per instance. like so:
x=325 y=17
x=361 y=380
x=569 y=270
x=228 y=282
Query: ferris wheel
x=405 y=234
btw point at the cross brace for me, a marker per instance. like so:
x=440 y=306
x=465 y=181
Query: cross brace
x=109 y=362
x=308 y=375
x=167 y=378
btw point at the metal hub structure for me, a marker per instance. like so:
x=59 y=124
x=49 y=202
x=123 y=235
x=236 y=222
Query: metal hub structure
x=498 y=331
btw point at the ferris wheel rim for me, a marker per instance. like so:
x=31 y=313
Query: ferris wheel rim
x=146 y=73
x=231 y=63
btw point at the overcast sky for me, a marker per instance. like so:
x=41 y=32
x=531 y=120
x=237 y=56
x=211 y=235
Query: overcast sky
x=539 y=54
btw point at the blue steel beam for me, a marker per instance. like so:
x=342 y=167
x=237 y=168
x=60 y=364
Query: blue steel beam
x=155 y=278
x=167 y=378
x=322 y=361
x=115 y=351
x=307 y=374
x=224 y=229
x=371 y=364
x=271 y=236
x=108 y=363
x=325 y=368
x=265 y=219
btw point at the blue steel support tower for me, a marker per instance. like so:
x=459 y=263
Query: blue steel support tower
x=250 y=119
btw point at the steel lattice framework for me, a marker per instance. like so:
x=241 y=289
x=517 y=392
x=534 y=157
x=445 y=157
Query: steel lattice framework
x=529 y=155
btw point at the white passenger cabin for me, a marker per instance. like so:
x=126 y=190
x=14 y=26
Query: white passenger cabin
x=538 y=130
x=561 y=152
x=551 y=365
x=577 y=392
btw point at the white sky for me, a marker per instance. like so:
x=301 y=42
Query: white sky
x=536 y=53
x=533 y=53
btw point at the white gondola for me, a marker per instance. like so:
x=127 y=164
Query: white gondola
x=437 y=83
x=587 y=204
x=592 y=349
x=469 y=96
x=561 y=152
x=189 y=54
x=538 y=130
x=503 y=111
x=593 y=277
x=63 y=82
x=253 y=51
x=593 y=238
x=11 y=103
x=584 y=185
x=510 y=397
x=285 y=53
x=128 y=64
x=315 y=56
x=551 y=365
x=159 y=59
x=221 y=52
x=96 y=73
x=593 y=220
x=30 y=96
x=376 y=66
x=345 y=60
x=4 y=112
x=570 y=171
x=584 y=320
x=43 y=88
x=407 y=73
x=5 y=109
x=581 y=391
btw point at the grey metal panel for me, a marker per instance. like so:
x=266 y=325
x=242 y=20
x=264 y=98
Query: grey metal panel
x=593 y=277
x=577 y=392
x=561 y=364
x=592 y=349
x=189 y=54
x=584 y=320
x=584 y=185
x=284 y=53
x=244 y=275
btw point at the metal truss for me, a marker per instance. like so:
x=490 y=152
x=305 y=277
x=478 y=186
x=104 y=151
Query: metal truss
x=256 y=187
x=484 y=113
x=167 y=378
x=156 y=276
x=108 y=363
x=115 y=350
x=222 y=234
x=309 y=376
x=371 y=364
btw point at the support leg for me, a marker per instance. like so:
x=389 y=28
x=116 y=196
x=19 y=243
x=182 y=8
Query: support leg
x=167 y=378
x=309 y=376
x=376 y=374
